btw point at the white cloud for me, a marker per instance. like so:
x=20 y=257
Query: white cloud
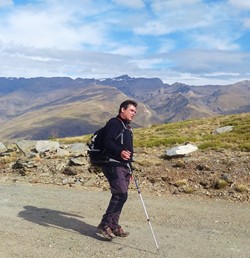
x=206 y=27
x=166 y=46
x=153 y=28
x=4 y=3
x=146 y=63
x=216 y=74
x=172 y=16
x=31 y=62
x=136 y=4
x=214 y=41
x=242 y=4
x=161 y=5
x=47 y=28
x=202 y=25
x=202 y=61
x=129 y=50
x=247 y=23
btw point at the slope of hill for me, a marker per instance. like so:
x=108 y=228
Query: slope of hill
x=63 y=113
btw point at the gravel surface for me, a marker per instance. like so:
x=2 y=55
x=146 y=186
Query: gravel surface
x=50 y=221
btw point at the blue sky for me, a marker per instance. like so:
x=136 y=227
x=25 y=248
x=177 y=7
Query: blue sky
x=196 y=42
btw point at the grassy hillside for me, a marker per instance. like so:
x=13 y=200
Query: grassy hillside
x=199 y=131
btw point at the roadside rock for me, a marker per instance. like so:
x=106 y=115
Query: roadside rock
x=62 y=152
x=27 y=147
x=43 y=146
x=78 y=149
x=78 y=161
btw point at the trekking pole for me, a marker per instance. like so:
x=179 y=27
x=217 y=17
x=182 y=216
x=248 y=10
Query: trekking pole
x=144 y=207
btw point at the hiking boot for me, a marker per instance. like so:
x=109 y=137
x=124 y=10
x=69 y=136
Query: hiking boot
x=120 y=232
x=106 y=231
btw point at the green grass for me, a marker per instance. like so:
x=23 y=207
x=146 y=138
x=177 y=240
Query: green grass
x=196 y=131
x=199 y=132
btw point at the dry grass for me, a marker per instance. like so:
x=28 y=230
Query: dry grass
x=241 y=188
x=188 y=190
x=7 y=159
x=181 y=182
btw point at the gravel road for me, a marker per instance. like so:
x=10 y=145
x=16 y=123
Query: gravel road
x=50 y=221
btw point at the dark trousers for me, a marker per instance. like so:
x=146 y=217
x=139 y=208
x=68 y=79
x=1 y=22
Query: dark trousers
x=118 y=178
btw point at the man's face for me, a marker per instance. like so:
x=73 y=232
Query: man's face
x=129 y=113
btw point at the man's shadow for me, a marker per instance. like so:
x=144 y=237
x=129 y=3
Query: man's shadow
x=63 y=221
x=58 y=219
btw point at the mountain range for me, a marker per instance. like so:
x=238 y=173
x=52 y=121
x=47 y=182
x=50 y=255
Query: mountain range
x=39 y=108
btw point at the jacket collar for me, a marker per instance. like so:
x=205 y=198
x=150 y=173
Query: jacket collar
x=126 y=122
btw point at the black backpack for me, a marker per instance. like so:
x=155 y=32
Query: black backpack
x=96 y=151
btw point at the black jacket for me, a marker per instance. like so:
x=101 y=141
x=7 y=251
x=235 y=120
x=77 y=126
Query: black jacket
x=118 y=137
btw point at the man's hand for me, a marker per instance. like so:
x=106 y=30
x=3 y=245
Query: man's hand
x=125 y=154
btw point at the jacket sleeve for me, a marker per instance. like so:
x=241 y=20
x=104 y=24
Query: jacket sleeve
x=112 y=129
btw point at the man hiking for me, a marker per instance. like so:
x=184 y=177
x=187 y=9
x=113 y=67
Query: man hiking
x=118 y=144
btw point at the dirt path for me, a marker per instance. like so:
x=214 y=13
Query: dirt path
x=49 y=221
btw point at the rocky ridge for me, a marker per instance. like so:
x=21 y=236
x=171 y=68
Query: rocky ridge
x=223 y=174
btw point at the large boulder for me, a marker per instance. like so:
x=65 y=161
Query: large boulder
x=181 y=150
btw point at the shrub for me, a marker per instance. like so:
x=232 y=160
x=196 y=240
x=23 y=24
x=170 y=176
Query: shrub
x=181 y=182
x=221 y=183
x=241 y=188
x=188 y=190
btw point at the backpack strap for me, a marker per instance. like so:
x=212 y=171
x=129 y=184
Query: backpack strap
x=123 y=130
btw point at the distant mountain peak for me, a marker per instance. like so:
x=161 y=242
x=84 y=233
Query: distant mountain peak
x=123 y=77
